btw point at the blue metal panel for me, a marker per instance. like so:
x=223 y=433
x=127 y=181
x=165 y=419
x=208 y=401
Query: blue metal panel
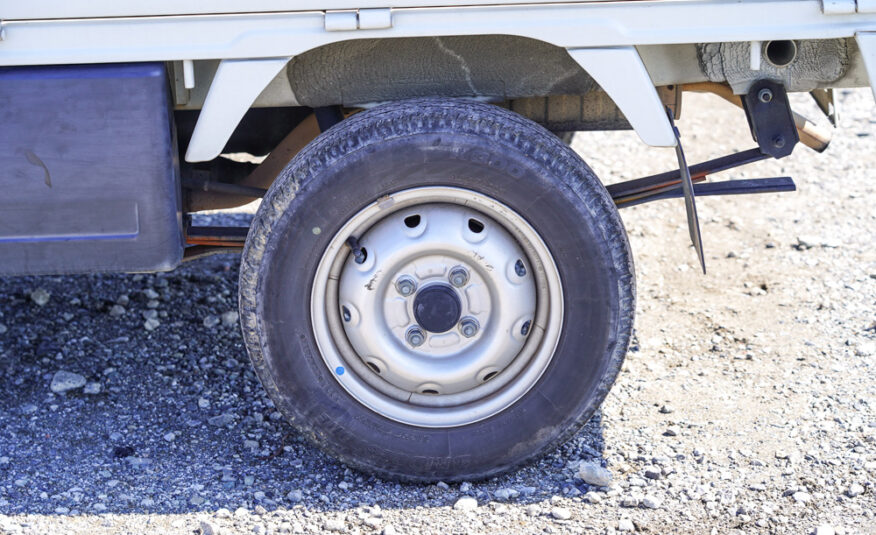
x=88 y=170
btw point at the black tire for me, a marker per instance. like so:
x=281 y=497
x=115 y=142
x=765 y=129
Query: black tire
x=470 y=145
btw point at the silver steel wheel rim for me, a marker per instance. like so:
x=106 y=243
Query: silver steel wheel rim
x=422 y=250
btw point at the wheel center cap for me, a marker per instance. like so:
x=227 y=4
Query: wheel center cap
x=437 y=308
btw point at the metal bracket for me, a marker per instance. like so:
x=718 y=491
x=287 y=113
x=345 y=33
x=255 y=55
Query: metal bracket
x=770 y=118
x=826 y=100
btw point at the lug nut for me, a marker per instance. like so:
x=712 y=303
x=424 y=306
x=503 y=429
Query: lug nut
x=458 y=276
x=406 y=286
x=415 y=337
x=468 y=327
x=765 y=95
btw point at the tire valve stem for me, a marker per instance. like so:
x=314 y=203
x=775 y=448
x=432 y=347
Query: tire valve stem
x=359 y=252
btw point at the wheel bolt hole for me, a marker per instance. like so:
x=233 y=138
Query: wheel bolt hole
x=373 y=367
x=430 y=391
x=519 y=268
x=412 y=221
x=489 y=376
x=475 y=226
x=524 y=330
x=345 y=312
x=360 y=255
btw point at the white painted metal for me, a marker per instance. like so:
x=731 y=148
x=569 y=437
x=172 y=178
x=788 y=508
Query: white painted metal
x=866 y=6
x=188 y=74
x=341 y=21
x=621 y=74
x=234 y=88
x=838 y=7
x=755 y=53
x=375 y=19
x=867 y=44
x=283 y=34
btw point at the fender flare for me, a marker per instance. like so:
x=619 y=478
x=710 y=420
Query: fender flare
x=618 y=70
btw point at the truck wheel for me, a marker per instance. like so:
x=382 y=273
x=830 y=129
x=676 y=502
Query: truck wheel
x=437 y=290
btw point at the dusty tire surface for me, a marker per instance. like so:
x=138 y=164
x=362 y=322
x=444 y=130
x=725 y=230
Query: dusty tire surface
x=456 y=144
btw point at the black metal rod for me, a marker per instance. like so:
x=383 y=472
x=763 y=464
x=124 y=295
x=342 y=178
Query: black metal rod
x=328 y=116
x=670 y=178
x=727 y=187
x=223 y=187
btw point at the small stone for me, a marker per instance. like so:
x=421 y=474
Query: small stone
x=825 y=529
x=151 y=324
x=651 y=502
x=63 y=381
x=652 y=472
x=594 y=474
x=801 y=497
x=667 y=409
x=561 y=513
x=211 y=321
x=629 y=501
x=222 y=420
x=203 y=403
x=592 y=497
x=99 y=507
x=334 y=525
x=854 y=490
x=229 y=319
x=3 y=328
x=506 y=494
x=671 y=432
x=466 y=503
x=29 y=408
x=862 y=349
x=150 y=294
x=170 y=437
x=92 y=388
x=208 y=528
x=295 y=496
x=442 y=485
x=40 y=296
x=465 y=486
x=389 y=530
x=117 y=310
x=625 y=524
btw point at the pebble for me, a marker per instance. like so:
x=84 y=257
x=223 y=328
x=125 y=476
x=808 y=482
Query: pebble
x=801 y=497
x=854 y=490
x=117 y=310
x=211 y=321
x=652 y=472
x=561 y=513
x=151 y=324
x=825 y=529
x=208 y=528
x=230 y=318
x=92 y=388
x=506 y=494
x=389 y=530
x=3 y=328
x=334 y=525
x=169 y=437
x=40 y=296
x=594 y=474
x=295 y=495
x=222 y=420
x=667 y=409
x=63 y=381
x=466 y=503
x=671 y=432
x=651 y=502
x=625 y=524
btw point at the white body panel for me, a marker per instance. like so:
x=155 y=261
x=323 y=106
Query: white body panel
x=102 y=31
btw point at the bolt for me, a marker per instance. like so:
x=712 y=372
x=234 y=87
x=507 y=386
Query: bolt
x=415 y=337
x=458 y=276
x=778 y=142
x=765 y=95
x=519 y=268
x=525 y=329
x=406 y=286
x=468 y=327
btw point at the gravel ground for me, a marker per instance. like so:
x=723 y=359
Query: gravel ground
x=747 y=403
